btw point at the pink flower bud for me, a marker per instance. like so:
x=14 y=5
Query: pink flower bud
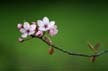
x=19 y=26
x=20 y=39
x=39 y=34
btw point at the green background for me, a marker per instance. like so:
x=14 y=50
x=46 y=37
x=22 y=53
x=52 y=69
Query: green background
x=78 y=22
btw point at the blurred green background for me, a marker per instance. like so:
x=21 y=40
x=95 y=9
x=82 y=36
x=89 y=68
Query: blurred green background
x=78 y=21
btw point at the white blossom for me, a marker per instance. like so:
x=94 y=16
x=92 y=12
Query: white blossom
x=27 y=29
x=45 y=24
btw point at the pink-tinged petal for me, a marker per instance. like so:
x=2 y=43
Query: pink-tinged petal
x=53 y=31
x=48 y=28
x=40 y=23
x=26 y=25
x=39 y=34
x=24 y=35
x=46 y=20
x=31 y=32
x=22 y=30
x=32 y=27
x=19 y=26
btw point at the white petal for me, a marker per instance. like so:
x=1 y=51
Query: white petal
x=52 y=23
x=22 y=30
x=24 y=35
x=40 y=23
x=55 y=26
x=31 y=32
x=26 y=25
x=46 y=20
x=32 y=27
x=42 y=29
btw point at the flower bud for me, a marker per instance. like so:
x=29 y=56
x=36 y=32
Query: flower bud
x=34 y=23
x=19 y=26
x=93 y=58
x=20 y=39
x=39 y=34
x=51 y=50
x=48 y=40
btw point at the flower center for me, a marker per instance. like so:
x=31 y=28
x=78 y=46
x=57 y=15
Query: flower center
x=28 y=31
x=46 y=26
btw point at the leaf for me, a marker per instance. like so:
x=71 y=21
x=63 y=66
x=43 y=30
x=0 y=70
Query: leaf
x=51 y=50
x=91 y=46
x=97 y=46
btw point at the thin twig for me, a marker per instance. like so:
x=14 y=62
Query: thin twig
x=75 y=54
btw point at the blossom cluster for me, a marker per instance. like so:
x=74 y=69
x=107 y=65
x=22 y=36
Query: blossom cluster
x=37 y=28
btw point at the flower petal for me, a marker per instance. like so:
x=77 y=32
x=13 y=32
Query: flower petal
x=32 y=27
x=46 y=20
x=53 y=31
x=52 y=23
x=42 y=29
x=26 y=25
x=22 y=30
x=31 y=32
x=24 y=35
x=40 y=23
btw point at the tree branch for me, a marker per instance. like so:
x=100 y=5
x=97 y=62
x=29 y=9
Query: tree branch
x=75 y=54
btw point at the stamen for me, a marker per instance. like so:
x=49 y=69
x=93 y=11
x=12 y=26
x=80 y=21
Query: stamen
x=46 y=26
x=28 y=31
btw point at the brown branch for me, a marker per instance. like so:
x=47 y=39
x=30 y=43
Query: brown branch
x=72 y=53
